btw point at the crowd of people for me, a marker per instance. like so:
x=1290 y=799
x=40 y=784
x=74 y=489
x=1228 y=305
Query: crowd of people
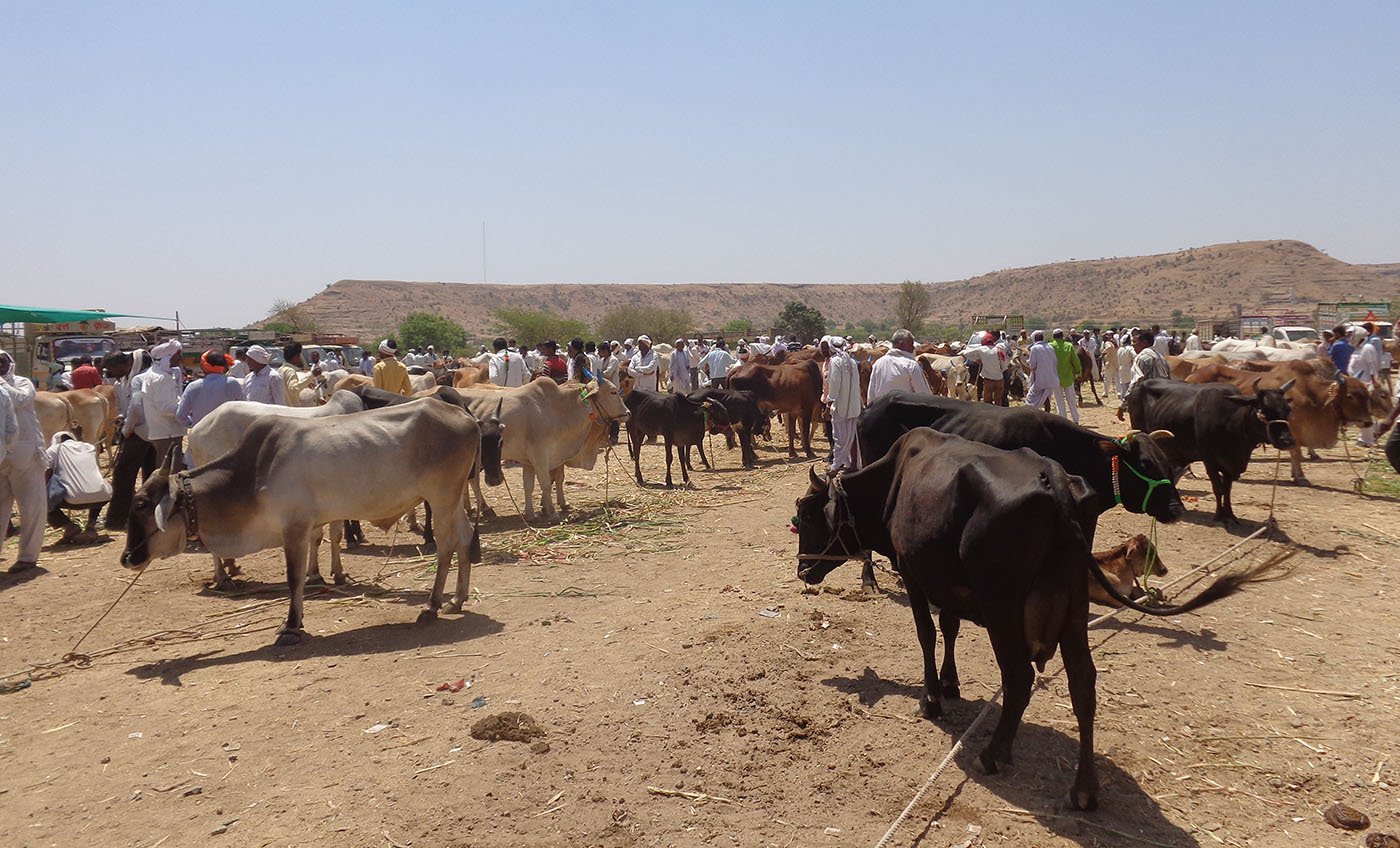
x=158 y=401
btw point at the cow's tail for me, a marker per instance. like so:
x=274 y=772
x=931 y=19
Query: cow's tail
x=1222 y=587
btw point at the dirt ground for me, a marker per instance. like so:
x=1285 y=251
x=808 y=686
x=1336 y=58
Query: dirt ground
x=689 y=691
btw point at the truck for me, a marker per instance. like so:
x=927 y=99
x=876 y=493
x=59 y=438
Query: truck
x=45 y=351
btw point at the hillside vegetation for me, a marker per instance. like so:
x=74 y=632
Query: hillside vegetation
x=1202 y=282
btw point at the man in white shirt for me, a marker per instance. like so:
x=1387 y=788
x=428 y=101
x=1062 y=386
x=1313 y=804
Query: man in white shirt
x=1161 y=342
x=988 y=355
x=330 y=362
x=898 y=370
x=1147 y=363
x=239 y=370
x=22 y=469
x=716 y=365
x=263 y=385
x=155 y=399
x=680 y=369
x=843 y=399
x=507 y=368
x=1193 y=341
x=75 y=481
x=1045 y=372
x=366 y=363
x=1365 y=366
x=644 y=367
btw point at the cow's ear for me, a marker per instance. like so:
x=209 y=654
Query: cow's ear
x=163 y=511
x=1242 y=400
x=1109 y=446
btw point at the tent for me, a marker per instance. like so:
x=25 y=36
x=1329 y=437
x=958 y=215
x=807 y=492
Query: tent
x=34 y=315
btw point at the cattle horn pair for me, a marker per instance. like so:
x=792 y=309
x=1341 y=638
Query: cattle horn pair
x=1155 y=434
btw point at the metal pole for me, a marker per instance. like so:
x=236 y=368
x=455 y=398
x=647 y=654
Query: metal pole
x=483 y=251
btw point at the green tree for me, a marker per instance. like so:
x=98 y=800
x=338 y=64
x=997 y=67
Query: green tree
x=632 y=320
x=530 y=326
x=911 y=307
x=741 y=327
x=800 y=321
x=420 y=329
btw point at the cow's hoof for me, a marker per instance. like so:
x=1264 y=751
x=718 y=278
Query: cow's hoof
x=987 y=763
x=287 y=637
x=929 y=708
x=1300 y=480
x=224 y=584
x=1084 y=798
x=670 y=485
x=341 y=580
x=315 y=580
x=951 y=690
x=427 y=616
x=234 y=570
x=454 y=606
x=870 y=587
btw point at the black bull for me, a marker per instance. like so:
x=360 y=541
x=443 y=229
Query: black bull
x=940 y=508
x=1214 y=423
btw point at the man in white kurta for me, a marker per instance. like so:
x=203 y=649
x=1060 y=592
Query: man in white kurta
x=898 y=370
x=843 y=399
x=22 y=468
x=1044 y=366
x=155 y=399
x=680 y=369
x=643 y=366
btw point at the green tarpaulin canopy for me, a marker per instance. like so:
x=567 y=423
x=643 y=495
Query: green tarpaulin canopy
x=29 y=314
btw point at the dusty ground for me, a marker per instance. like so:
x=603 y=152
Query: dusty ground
x=675 y=651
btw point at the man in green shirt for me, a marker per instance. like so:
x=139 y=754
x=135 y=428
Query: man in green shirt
x=1067 y=362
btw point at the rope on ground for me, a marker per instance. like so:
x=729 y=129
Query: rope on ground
x=996 y=696
x=73 y=654
x=1360 y=479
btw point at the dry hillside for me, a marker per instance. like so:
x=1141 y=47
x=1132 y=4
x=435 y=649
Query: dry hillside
x=1202 y=282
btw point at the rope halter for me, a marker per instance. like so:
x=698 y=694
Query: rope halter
x=1116 y=462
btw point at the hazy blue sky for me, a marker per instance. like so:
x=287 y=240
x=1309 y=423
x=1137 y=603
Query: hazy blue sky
x=212 y=157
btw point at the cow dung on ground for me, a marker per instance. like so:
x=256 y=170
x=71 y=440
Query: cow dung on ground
x=507 y=727
x=1346 y=818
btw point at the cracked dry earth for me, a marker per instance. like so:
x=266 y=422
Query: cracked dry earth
x=689 y=693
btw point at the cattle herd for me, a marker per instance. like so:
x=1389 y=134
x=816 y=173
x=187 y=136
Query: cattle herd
x=939 y=481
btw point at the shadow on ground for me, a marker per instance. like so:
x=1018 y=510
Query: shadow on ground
x=375 y=639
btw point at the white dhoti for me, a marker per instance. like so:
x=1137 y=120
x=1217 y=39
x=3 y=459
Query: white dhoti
x=1064 y=397
x=1039 y=394
x=1110 y=375
x=22 y=480
x=680 y=382
x=843 y=433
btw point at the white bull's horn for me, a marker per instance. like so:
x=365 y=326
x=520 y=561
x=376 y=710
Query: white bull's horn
x=816 y=481
x=1131 y=434
x=1161 y=434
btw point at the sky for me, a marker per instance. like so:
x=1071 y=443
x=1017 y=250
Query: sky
x=210 y=158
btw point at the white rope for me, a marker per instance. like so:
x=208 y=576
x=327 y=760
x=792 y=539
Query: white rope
x=991 y=702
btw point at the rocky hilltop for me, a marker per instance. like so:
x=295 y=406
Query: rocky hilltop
x=1202 y=282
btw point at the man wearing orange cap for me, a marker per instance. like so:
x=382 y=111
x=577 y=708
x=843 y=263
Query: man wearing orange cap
x=209 y=392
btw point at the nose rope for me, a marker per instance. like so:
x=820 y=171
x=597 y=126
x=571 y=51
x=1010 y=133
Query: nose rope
x=1115 y=463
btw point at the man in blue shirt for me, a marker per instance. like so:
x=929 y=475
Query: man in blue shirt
x=1341 y=349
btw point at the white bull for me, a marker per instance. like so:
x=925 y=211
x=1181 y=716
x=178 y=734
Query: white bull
x=289 y=475
x=545 y=426
x=220 y=432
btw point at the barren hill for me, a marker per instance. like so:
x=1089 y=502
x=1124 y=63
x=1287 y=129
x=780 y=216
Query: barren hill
x=1202 y=282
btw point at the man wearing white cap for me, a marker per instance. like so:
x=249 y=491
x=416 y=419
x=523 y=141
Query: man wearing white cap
x=22 y=466
x=843 y=399
x=644 y=367
x=262 y=384
x=680 y=369
x=898 y=370
x=155 y=399
x=389 y=373
x=1045 y=372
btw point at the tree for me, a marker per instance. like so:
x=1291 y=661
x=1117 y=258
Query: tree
x=420 y=329
x=288 y=316
x=529 y=326
x=800 y=321
x=912 y=305
x=741 y=327
x=632 y=320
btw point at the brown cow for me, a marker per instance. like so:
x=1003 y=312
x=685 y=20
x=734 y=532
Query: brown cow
x=1123 y=565
x=470 y=374
x=794 y=389
x=1319 y=408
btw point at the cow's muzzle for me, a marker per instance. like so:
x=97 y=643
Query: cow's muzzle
x=1280 y=434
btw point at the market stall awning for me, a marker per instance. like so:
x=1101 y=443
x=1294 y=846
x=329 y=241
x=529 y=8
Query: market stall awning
x=35 y=315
